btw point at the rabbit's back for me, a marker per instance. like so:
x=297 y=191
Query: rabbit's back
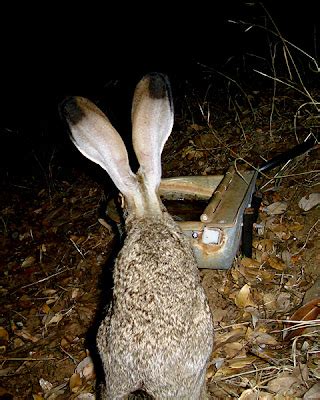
x=159 y=333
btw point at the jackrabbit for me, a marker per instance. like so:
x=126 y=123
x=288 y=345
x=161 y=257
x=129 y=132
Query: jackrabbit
x=158 y=333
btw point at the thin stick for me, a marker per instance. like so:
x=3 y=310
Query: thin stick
x=42 y=280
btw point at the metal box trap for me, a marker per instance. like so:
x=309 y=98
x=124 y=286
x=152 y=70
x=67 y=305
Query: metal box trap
x=218 y=203
x=217 y=212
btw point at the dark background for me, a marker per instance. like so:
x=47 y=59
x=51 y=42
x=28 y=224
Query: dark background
x=95 y=50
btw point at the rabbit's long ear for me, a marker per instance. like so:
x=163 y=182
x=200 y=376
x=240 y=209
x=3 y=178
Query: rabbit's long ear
x=152 y=121
x=95 y=137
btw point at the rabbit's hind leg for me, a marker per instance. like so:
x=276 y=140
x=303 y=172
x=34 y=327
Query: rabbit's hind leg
x=119 y=381
x=186 y=389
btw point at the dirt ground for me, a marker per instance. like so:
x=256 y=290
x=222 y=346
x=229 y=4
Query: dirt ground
x=57 y=252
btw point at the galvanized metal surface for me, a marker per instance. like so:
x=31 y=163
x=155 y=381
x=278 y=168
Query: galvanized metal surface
x=215 y=238
x=189 y=187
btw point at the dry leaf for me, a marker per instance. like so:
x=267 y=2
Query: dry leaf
x=264 y=338
x=75 y=382
x=23 y=333
x=46 y=386
x=280 y=230
x=260 y=256
x=85 y=368
x=284 y=302
x=235 y=364
x=253 y=275
x=313 y=292
x=248 y=394
x=235 y=276
x=55 y=319
x=286 y=257
x=244 y=297
x=266 y=276
x=249 y=263
x=266 y=245
x=37 y=397
x=206 y=141
x=295 y=227
x=85 y=313
x=17 y=342
x=4 y=336
x=218 y=314
x=270 y=301
x=49 y=292
x=239 y=363
x=277 y=264
x=282 y=384
x=301 y=371
x=217 y=362
x=306 y=203
x=28 y=262
x=228 y=337
x=253 y=394
x=307 y=312
x=222 y=372
x=313 y=393
x=234 y=349
x=190 y=153
x=253 y=314
x=4 y=339
x=279 y=207
x=292 y=386
x=76 y=292
x=264 y=396
x=45 y=308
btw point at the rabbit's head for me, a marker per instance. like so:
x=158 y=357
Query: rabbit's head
x=96 y=138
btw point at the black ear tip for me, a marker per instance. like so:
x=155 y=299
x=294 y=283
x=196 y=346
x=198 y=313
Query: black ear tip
x=159 y=85
x=70 y=110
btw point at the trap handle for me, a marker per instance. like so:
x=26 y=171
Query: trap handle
x=288 y=155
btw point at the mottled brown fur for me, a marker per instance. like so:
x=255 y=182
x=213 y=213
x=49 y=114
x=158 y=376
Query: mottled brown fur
x=158 y=333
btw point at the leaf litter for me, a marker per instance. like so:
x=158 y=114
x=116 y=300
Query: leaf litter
x=58 y=251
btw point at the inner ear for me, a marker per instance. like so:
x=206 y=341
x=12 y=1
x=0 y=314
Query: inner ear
x=97 y=139
x=152 y=122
